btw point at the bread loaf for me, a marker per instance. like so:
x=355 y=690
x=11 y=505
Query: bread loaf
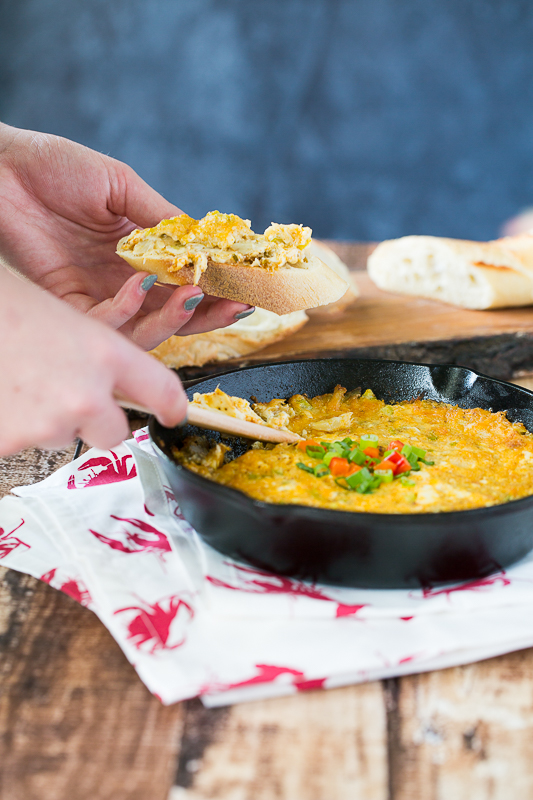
x=477 y=275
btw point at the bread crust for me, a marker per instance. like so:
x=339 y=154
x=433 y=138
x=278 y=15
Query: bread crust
x=235 y=341
x=283 y=290
x=476 y=275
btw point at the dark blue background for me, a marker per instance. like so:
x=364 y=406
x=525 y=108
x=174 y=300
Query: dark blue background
x=365 y=119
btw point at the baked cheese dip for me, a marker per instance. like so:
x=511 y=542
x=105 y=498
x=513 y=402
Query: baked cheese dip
x=361 y=454
x=222 y=238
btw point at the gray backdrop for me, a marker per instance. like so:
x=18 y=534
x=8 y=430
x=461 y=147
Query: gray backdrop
x=365 y=119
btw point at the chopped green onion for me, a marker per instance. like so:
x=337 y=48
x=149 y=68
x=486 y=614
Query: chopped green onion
x=432 y=436
x=407 y=482
x=368 y=440
x=305 y=467
x=407 y=450
x=357 y=456
x=427 y=462
x=315 y=452
x=386 y=475
x=363 y=476
x=327 y=458
x=419 y=453
x=413 y=461
x=320 y=470
x=388 y=453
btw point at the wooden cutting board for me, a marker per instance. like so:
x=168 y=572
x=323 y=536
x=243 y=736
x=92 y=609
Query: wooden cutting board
x=383 y=325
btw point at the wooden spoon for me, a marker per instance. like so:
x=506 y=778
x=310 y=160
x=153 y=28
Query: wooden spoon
x=217 y=421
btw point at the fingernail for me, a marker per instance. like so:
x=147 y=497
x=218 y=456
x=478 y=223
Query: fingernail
x=191 y=303
x=148 y=282
x=244 y=314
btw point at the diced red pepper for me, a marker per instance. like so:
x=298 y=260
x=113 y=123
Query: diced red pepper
x=372 y=452
x=396 y=445
x=395 y=457
x=341 y=467
x=396 y=462
x=402 y=466
x=307 y=443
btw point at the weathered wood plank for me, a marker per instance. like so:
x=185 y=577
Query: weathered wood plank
x=314 y=746
x=465 y=733
x=383 y=325
x=30 y=466
x=75 y=720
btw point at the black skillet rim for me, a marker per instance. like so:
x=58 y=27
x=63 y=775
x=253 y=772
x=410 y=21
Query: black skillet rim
x=294 y=508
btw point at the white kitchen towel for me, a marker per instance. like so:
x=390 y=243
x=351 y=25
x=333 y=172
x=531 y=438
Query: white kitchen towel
x=106 y=529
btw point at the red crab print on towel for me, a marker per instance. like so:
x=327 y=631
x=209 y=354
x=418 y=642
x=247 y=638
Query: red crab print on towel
x=267 y=583
x=8 y=542
x=158 y=626
x=144 y=538
x=104 y=470
x=74 y=587
x=479 y=585
x=268 y=673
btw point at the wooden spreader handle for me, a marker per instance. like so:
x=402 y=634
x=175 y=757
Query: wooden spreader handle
x=217 y=421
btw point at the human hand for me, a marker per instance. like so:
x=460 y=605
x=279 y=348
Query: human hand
x=63 y=208
x=60 y=370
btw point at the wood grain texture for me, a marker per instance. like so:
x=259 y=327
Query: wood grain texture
x=465 y=733
x=310 y=746
x=76 y=723
x=383 y=325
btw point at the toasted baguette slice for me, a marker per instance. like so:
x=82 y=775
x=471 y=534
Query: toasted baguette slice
x=332 y=260
x=477 y=275
x=243 y=337
x=271 y=270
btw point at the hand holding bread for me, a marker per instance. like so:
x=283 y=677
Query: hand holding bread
x=225 y=258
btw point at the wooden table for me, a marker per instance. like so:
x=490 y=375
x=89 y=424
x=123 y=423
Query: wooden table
x=77 y=724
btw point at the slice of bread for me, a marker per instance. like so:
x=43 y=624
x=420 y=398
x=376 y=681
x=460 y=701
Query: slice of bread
x=243 y=337
x=476 y=275
x=332 y=260
x=273 y=270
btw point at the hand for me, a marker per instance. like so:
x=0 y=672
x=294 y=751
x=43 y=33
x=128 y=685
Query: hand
x=59 y=372
x=63 y=208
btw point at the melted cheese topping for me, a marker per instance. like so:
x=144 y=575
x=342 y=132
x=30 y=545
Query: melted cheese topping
x=222 y=238
x=480 y=458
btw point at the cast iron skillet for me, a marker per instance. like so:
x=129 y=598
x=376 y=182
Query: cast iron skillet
x=346 y=548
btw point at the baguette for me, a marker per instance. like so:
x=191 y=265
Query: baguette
x=225 y=258
x=476 y=275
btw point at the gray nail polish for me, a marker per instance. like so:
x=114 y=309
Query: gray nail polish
x=148 y=282
x=191 y=303
x=244 y=314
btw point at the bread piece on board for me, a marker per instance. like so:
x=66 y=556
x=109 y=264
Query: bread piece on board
x=332 y=260
x=243 y=337
x=222 y=255
x=477 y=275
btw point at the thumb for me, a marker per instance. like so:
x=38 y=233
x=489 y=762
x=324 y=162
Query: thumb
x=131 y=197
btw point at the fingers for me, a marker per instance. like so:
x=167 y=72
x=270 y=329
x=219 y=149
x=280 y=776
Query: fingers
x=118 y=310
x=156 y=326
x=133 y=198
x=213 y=313
x=186 y=311
x=147 y=382
x=107 y=428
